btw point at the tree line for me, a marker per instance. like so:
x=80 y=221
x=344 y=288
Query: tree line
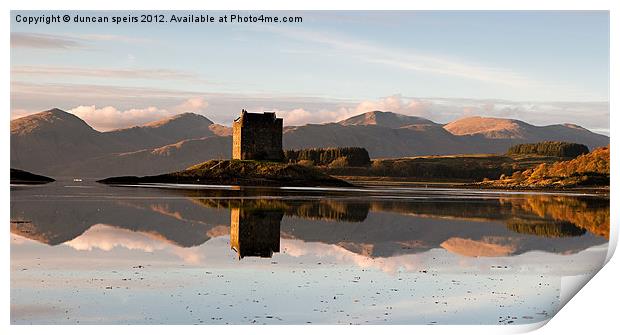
x=335 y=157
x=549 y=148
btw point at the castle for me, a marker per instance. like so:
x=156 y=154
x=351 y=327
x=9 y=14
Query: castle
x=257 y=137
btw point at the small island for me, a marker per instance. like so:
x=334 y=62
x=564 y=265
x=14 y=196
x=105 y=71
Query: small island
x=241 y=173
x=257 y=161
x=25 y=177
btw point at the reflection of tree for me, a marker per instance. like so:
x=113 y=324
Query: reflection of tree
x=544 y=228
x=476 y=210
x=309 y=209
x=589 y=214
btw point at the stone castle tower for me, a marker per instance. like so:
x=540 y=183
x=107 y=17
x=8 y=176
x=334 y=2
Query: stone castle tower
x=257 y=136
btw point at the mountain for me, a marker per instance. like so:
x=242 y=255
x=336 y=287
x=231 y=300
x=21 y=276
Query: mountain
x=41 y=141
x=386 y=119
x=496 y=128
x=378 y=140
x=159 y=133
x=57 y=143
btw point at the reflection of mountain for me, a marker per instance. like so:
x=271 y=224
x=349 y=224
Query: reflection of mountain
x=181 y=223
x=377 y=227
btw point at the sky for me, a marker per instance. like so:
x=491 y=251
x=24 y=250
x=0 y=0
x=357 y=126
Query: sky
x=541 y=67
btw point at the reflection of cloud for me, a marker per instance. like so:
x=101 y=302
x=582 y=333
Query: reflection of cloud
x=106 y=238
x=297 y=248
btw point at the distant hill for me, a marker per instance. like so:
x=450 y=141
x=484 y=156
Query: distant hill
x=385 y=119
x=496 y=128
x=57 y=143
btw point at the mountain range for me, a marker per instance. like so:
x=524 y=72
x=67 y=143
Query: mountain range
x=60 y=144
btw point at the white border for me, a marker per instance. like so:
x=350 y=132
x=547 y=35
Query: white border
x=592 y=311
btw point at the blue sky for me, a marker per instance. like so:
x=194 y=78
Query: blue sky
x=438 y=64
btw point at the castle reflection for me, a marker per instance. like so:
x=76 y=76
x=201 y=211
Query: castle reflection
x=255 y=232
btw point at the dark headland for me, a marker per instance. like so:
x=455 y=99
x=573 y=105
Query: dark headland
x=241 y=173
x=25 y=177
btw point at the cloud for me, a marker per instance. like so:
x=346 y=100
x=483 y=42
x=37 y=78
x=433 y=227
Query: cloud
x=393 y=264
x=109 y=118
x=67 y=41
x=159 y=74
x=591 y=115
x=394 y=103
x=409 y=59
x=43 y=41
x=194 y=105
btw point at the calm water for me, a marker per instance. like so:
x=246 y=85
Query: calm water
x=84 y=253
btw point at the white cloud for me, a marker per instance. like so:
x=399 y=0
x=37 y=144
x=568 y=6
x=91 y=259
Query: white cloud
x=591 y=115
x=109 y=118
x=296 y=110
x=194 y=105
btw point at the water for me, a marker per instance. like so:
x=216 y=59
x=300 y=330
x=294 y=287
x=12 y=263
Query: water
x=84 y=253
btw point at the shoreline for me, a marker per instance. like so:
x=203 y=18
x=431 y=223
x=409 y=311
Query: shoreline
x=469 y=185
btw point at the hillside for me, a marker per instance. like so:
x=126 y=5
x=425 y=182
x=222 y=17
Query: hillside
x=56 y=143
x=239 y=172
x=586 y=170
x=42 y=141
x=386 y=119
x=159 y=133
x=522 y=132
